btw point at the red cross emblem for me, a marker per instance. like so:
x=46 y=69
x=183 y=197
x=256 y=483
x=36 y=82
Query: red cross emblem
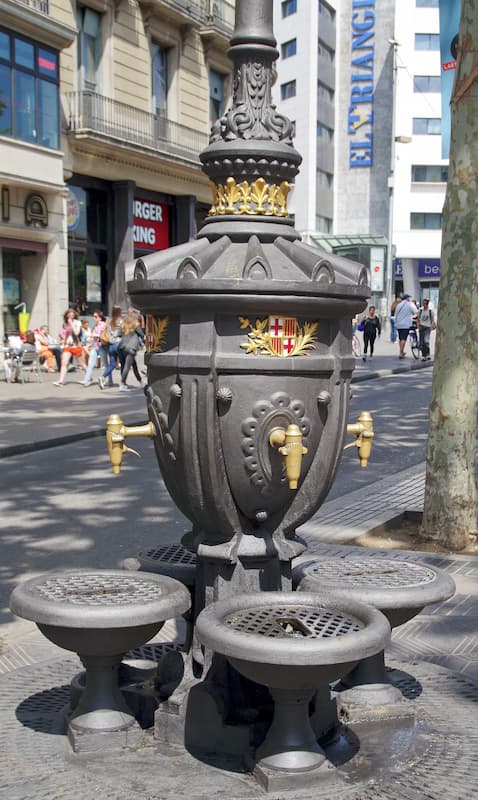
x=276 y=326
x=282 y=331
x=288 y=344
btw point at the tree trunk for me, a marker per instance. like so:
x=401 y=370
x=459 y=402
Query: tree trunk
x=450 y=512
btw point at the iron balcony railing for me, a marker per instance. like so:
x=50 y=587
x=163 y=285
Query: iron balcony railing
x=38 y=5
x=218 y=14
x=89 y=111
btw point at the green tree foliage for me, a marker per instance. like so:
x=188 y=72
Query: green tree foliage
x=450 y=509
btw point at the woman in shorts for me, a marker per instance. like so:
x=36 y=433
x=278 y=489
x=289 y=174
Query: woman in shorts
x=71 y=338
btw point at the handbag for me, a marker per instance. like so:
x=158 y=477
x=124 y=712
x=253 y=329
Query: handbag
x=361 y=326
x=105 y=336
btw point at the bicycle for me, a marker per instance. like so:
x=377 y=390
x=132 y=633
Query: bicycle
x=414 y=342
x=356 y=346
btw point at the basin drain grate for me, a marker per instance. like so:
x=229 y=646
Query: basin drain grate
x=382 y=573
x=94 y=589
x=293 y=621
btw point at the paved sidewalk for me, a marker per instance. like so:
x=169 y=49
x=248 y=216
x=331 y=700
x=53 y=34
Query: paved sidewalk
x=37 y=415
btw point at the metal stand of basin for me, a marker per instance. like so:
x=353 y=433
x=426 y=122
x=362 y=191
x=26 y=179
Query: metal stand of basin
x=400 y=589
x=292 y=643
x=100 y=614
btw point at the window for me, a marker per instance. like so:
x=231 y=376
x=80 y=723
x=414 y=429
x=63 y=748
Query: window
x=289 y=48
x=427 y=83
x=427 y=41
x=216 y=96
x=159 y=78
x=427 y=3
x=324 y=51
x=288 y=90
x=89 y=48
x=324 y=224
x=87 y=243
x=29 y=99
x=323 y=132
x=429 y=173
x=427 y=126
x=323 y=93
x=289 y=7
x=326 y=10
x=421 y=221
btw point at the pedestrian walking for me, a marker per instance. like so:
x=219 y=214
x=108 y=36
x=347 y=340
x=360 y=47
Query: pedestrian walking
x=110 y=339
x=393 y=327
x=426 y=324
x=95 y=345
x=371 y=329
x=131 y=342
x=405 y=313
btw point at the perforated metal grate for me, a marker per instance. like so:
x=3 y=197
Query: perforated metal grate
x=374 y=572
x=293 y=622
x=170 y=554
x=96 y=589
x=37 y=763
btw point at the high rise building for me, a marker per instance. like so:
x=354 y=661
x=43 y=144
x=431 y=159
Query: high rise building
x=361 y=80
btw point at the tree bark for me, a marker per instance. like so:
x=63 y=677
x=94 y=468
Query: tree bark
x=450 y=503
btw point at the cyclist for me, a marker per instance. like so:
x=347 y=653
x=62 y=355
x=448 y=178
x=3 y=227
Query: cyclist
x=405 y=313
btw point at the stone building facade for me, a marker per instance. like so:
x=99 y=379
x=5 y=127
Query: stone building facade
x=104 y=108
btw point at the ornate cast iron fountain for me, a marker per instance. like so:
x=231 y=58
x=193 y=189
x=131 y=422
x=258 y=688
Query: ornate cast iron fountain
x=248 y=350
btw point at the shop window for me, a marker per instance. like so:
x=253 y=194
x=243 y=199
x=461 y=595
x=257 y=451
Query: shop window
x=288 y=89
x=289 y=48
x=29 y=95
x=159 y=79
x=87 y=219
x=427 y=126
x=424 y=221
x=429 y=173
x=427 y=83
x=89 y=49
x=216 y=96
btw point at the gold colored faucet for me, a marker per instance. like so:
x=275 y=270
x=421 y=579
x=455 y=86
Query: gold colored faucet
x=363 y=432
x=289 y=444
x=116 y=434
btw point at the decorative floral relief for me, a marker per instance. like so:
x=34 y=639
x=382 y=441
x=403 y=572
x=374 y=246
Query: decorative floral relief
x=155 y=333
x=258 y=198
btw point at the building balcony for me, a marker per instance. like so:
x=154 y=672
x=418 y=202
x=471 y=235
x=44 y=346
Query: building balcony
x=33 y=18
x=214 y=18
x=38 y=5
x=94 y=116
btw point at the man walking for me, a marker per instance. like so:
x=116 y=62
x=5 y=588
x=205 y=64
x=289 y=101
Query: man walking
x=404 y=314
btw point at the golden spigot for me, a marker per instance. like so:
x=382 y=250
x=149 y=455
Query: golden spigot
x=289 y=444
x=363 y=432
x=116 y=434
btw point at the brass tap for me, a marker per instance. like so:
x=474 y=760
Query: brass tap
x=363 y=432
x=116 y=434
x=289 y=444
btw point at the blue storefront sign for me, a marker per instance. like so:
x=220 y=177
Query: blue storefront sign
x=398 y=268
x=429 y=268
